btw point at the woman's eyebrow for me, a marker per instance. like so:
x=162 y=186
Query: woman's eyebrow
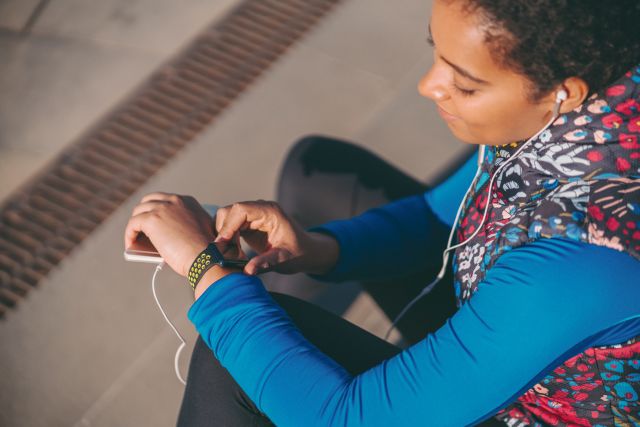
x=464 y=72
x=459 y=70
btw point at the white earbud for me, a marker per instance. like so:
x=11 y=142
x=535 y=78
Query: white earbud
x=562 y=95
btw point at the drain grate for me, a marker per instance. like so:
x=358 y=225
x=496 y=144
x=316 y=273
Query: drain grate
x=47 y=218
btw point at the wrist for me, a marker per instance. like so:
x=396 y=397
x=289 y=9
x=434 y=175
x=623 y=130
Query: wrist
x=191 y=254
x=323 y=251
x=210 y=264
x=212 y=275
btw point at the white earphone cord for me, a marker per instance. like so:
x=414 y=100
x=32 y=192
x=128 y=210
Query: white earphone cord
x=561 y=96
x=176 y=359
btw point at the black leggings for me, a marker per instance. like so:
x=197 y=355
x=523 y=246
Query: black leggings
x=212 y=397
x=324 y=179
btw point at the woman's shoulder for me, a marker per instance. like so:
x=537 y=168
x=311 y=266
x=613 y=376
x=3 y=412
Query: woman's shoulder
x=581 y=272
x=553 y=248
x=576 y=262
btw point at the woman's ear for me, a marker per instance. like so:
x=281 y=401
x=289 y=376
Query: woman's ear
x=577 y=91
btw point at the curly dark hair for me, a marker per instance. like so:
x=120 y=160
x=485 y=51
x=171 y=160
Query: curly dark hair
x=548 y=41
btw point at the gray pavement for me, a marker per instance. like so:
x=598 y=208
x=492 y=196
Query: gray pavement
x=77 y=61
x=89 y=347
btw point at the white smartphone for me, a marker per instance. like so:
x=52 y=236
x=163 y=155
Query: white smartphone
x=143 y=250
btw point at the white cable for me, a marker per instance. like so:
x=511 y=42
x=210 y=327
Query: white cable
x=155 y=296
x=445 y=254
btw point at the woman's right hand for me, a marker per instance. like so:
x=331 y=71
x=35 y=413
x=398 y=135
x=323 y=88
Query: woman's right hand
x=282 y=245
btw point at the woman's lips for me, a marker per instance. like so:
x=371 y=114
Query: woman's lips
x=446 y=115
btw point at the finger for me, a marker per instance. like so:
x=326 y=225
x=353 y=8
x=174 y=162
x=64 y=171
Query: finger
x=256 y=265
x=267 y=261
x=236 y=217
x=147 y=207
x=242 y=216
x=159 y=196
x=221 y=215
x=137 y=224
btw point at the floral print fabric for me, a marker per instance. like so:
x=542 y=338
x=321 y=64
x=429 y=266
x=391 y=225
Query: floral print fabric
x=580 y=179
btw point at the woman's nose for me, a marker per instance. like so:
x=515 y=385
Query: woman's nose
x=432 y=86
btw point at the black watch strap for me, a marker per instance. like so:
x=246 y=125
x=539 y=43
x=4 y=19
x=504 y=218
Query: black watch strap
x=209 y=257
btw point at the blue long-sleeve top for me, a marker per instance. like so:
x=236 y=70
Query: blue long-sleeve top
x=539 y=305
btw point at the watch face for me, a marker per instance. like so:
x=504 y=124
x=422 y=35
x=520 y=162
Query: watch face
x=230 y=254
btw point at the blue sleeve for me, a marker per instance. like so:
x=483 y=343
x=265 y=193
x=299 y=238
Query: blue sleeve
x=483 y=358
x=397 y=238
x=392 y=240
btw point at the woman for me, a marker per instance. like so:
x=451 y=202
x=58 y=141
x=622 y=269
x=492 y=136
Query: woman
x=547 y=329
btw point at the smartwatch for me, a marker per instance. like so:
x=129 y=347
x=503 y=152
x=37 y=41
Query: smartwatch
x=209 y=257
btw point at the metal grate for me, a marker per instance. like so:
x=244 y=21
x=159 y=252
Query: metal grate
x=42 y=222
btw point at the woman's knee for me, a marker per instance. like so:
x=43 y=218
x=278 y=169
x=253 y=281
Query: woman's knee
x=308 y=188
x=212 y=396
x=203 y=359
x=300 y=161
x=297 y=151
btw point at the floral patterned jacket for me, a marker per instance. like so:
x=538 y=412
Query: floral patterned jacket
x=580 y=179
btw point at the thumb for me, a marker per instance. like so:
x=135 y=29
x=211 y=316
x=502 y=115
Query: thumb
x=267 y=261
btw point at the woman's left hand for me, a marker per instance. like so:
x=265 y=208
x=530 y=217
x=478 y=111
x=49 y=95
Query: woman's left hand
x=177 y=226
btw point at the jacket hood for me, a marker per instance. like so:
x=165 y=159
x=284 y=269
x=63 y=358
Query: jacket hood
x=579 y=179
x=597 y=140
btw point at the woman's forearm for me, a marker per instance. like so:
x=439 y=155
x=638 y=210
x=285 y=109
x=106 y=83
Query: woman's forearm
x=389 y=241
x=322 y=254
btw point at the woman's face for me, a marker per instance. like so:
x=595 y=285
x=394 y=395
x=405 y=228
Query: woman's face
x=481 y=102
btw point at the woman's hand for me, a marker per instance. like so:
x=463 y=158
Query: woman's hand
x=177 y=226
x=282 y=245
